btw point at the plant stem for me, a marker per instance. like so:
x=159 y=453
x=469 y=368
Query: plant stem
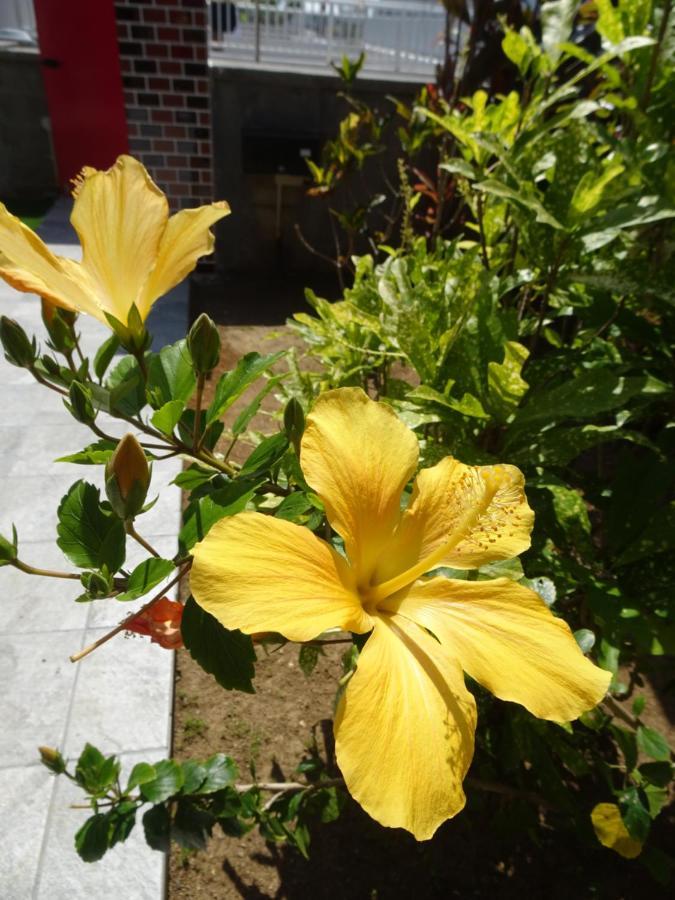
x=131 y=531
x=481 y=231
x=48 y=573
x=76 y=657
x=198 y=410
x=665 y=15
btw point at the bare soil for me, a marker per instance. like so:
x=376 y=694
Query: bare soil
x=476 y=855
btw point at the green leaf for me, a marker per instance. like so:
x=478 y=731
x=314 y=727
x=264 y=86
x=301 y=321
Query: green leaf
x=194 y=774
x=557 y=19
x=233 y=384
x=167 y=416
x=193 y=477
x=657 y=773
x=308 y=658
x=140 y=774
x=293 y=506
x=220 y=771
x=168 y=781
x=268 y=452
x=242 y=421
x=227 y=655
x=459 y=166
x=121 y=821
x=157 y=828
x=127 y=390
x=652 y=744
x=627 y=744
x=91 y=841
x=105 y=354
x=635 y=815
x=96 y=454
x=191 y=826
x=96 y=772
x=506 y=388
x=89 y=535
x=639 y=705
x=204 y=512
x=145 y=577
x=170 y=373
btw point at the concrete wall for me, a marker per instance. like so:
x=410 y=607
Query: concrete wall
x=27 y=169
x=260 y=116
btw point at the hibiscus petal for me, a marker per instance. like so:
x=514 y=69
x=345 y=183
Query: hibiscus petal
x=508 y=640
x=187 y=237
x=358 y=455
x=258 y=573
x=29 y=265
x=479 y=512
x=404 y=729
x=120 y=216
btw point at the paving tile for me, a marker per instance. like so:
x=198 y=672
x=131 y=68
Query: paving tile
x=34 y=604
x=37 y=679
x=26 y=793
x=130 y=871
x=123 y=695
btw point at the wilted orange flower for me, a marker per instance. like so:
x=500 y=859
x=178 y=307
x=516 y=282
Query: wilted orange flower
x=161 y=623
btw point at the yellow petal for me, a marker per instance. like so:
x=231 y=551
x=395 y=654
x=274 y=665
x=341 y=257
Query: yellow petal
x=29 y=265
x=258 y=573
x=611 y=831
x=507 y=639
x=120 y=216
x=478 y=513
x=404 y=729
x=187 y=237
x=357 y=455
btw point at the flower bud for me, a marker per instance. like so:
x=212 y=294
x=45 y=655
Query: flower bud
x=80 y=406
x=59 y=324
x=294 y=422
x=127 y=478
x=203 y=343
x=97 y=585
x=52 y=759
x=20 y=350
x=8 y=551
x=133 y=335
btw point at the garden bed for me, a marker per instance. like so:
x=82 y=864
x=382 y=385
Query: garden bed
x=354 y=857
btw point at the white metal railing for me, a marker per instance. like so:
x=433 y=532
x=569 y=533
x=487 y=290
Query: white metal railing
x=17 y=21
x=402 y=37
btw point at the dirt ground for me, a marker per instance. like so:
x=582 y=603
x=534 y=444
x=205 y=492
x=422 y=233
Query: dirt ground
x=354 y=858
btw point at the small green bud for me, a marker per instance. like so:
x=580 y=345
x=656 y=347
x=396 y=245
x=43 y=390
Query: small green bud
x=59 y=324
x=97 y=584
x=127 y=478
x=8 y=549
x=80 y=406
x=203 y=343
x=20 y=350
x=294 y=422
x=53 y=760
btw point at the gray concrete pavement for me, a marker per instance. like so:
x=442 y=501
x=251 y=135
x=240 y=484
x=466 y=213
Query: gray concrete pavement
x=119 y=698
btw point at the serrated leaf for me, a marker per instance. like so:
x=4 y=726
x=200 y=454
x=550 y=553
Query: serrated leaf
x=140 y=774
x=145 y=577
x=91 y=841
x=105 y=354
x=227 y=655
x=220 y=771
x=268 y=452
x=194 y=774
x=191 y=827
x=233 y=384
x=652 y=744
x=308 y=658
x=170 y=373
x=204 y=512
x=293 y=506
x=96 y=454
x=167 y=416
x=157 y=828
x=168 y=781
x=90 y=536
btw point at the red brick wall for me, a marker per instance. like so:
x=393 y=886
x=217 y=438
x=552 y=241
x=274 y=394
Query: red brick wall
x=163 y=56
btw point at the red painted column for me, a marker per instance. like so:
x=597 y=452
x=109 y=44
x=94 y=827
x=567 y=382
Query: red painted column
x=83 y=83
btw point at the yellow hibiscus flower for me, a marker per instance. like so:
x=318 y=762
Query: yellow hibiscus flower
x=133 y=252
x=404 y=726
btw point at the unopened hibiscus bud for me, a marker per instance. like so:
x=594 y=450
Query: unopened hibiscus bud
x=20 y=350
x=96 y=584
x=80 y=406
x=294 y=422
x=127 y=478
x=204 y=344
x=59 y=324
x=161 y=623
x=52 y=759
